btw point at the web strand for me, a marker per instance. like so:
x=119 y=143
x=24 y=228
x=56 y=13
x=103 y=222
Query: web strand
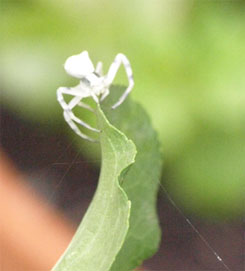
x=66 y=172
x=76 y=162
x=194 y=228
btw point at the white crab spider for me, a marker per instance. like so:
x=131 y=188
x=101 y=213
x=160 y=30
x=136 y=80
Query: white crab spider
x=92 y=84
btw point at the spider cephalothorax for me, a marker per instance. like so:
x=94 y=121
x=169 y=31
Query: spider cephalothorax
x=92 y=84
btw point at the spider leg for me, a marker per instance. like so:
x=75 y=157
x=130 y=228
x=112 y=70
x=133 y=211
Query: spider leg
x=73 y=102
x=69 y=115
x=71 y=105
x=99 y=68
x=105 y=94
x=120 y=59
x=75 y=128
x=86 y=106
x=93 y=95
x=77 y=101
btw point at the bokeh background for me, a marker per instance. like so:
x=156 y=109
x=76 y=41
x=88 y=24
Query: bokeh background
x=188 y=59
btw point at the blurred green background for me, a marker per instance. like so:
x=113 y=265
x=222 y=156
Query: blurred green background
x=188 y=59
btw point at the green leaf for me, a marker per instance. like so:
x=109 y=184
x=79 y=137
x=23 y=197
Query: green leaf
x=104 y=226
x=140 y=183
x=113 y=236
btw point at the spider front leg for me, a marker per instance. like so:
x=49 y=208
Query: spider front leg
x=120 y=59
x=77 y=101
x=75 y=128
x=68 y=107
x=69 y=115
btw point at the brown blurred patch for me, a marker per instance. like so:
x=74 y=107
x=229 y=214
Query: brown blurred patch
x=32 y=234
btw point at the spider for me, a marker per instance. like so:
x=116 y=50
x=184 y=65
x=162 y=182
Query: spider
x=92 y=84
